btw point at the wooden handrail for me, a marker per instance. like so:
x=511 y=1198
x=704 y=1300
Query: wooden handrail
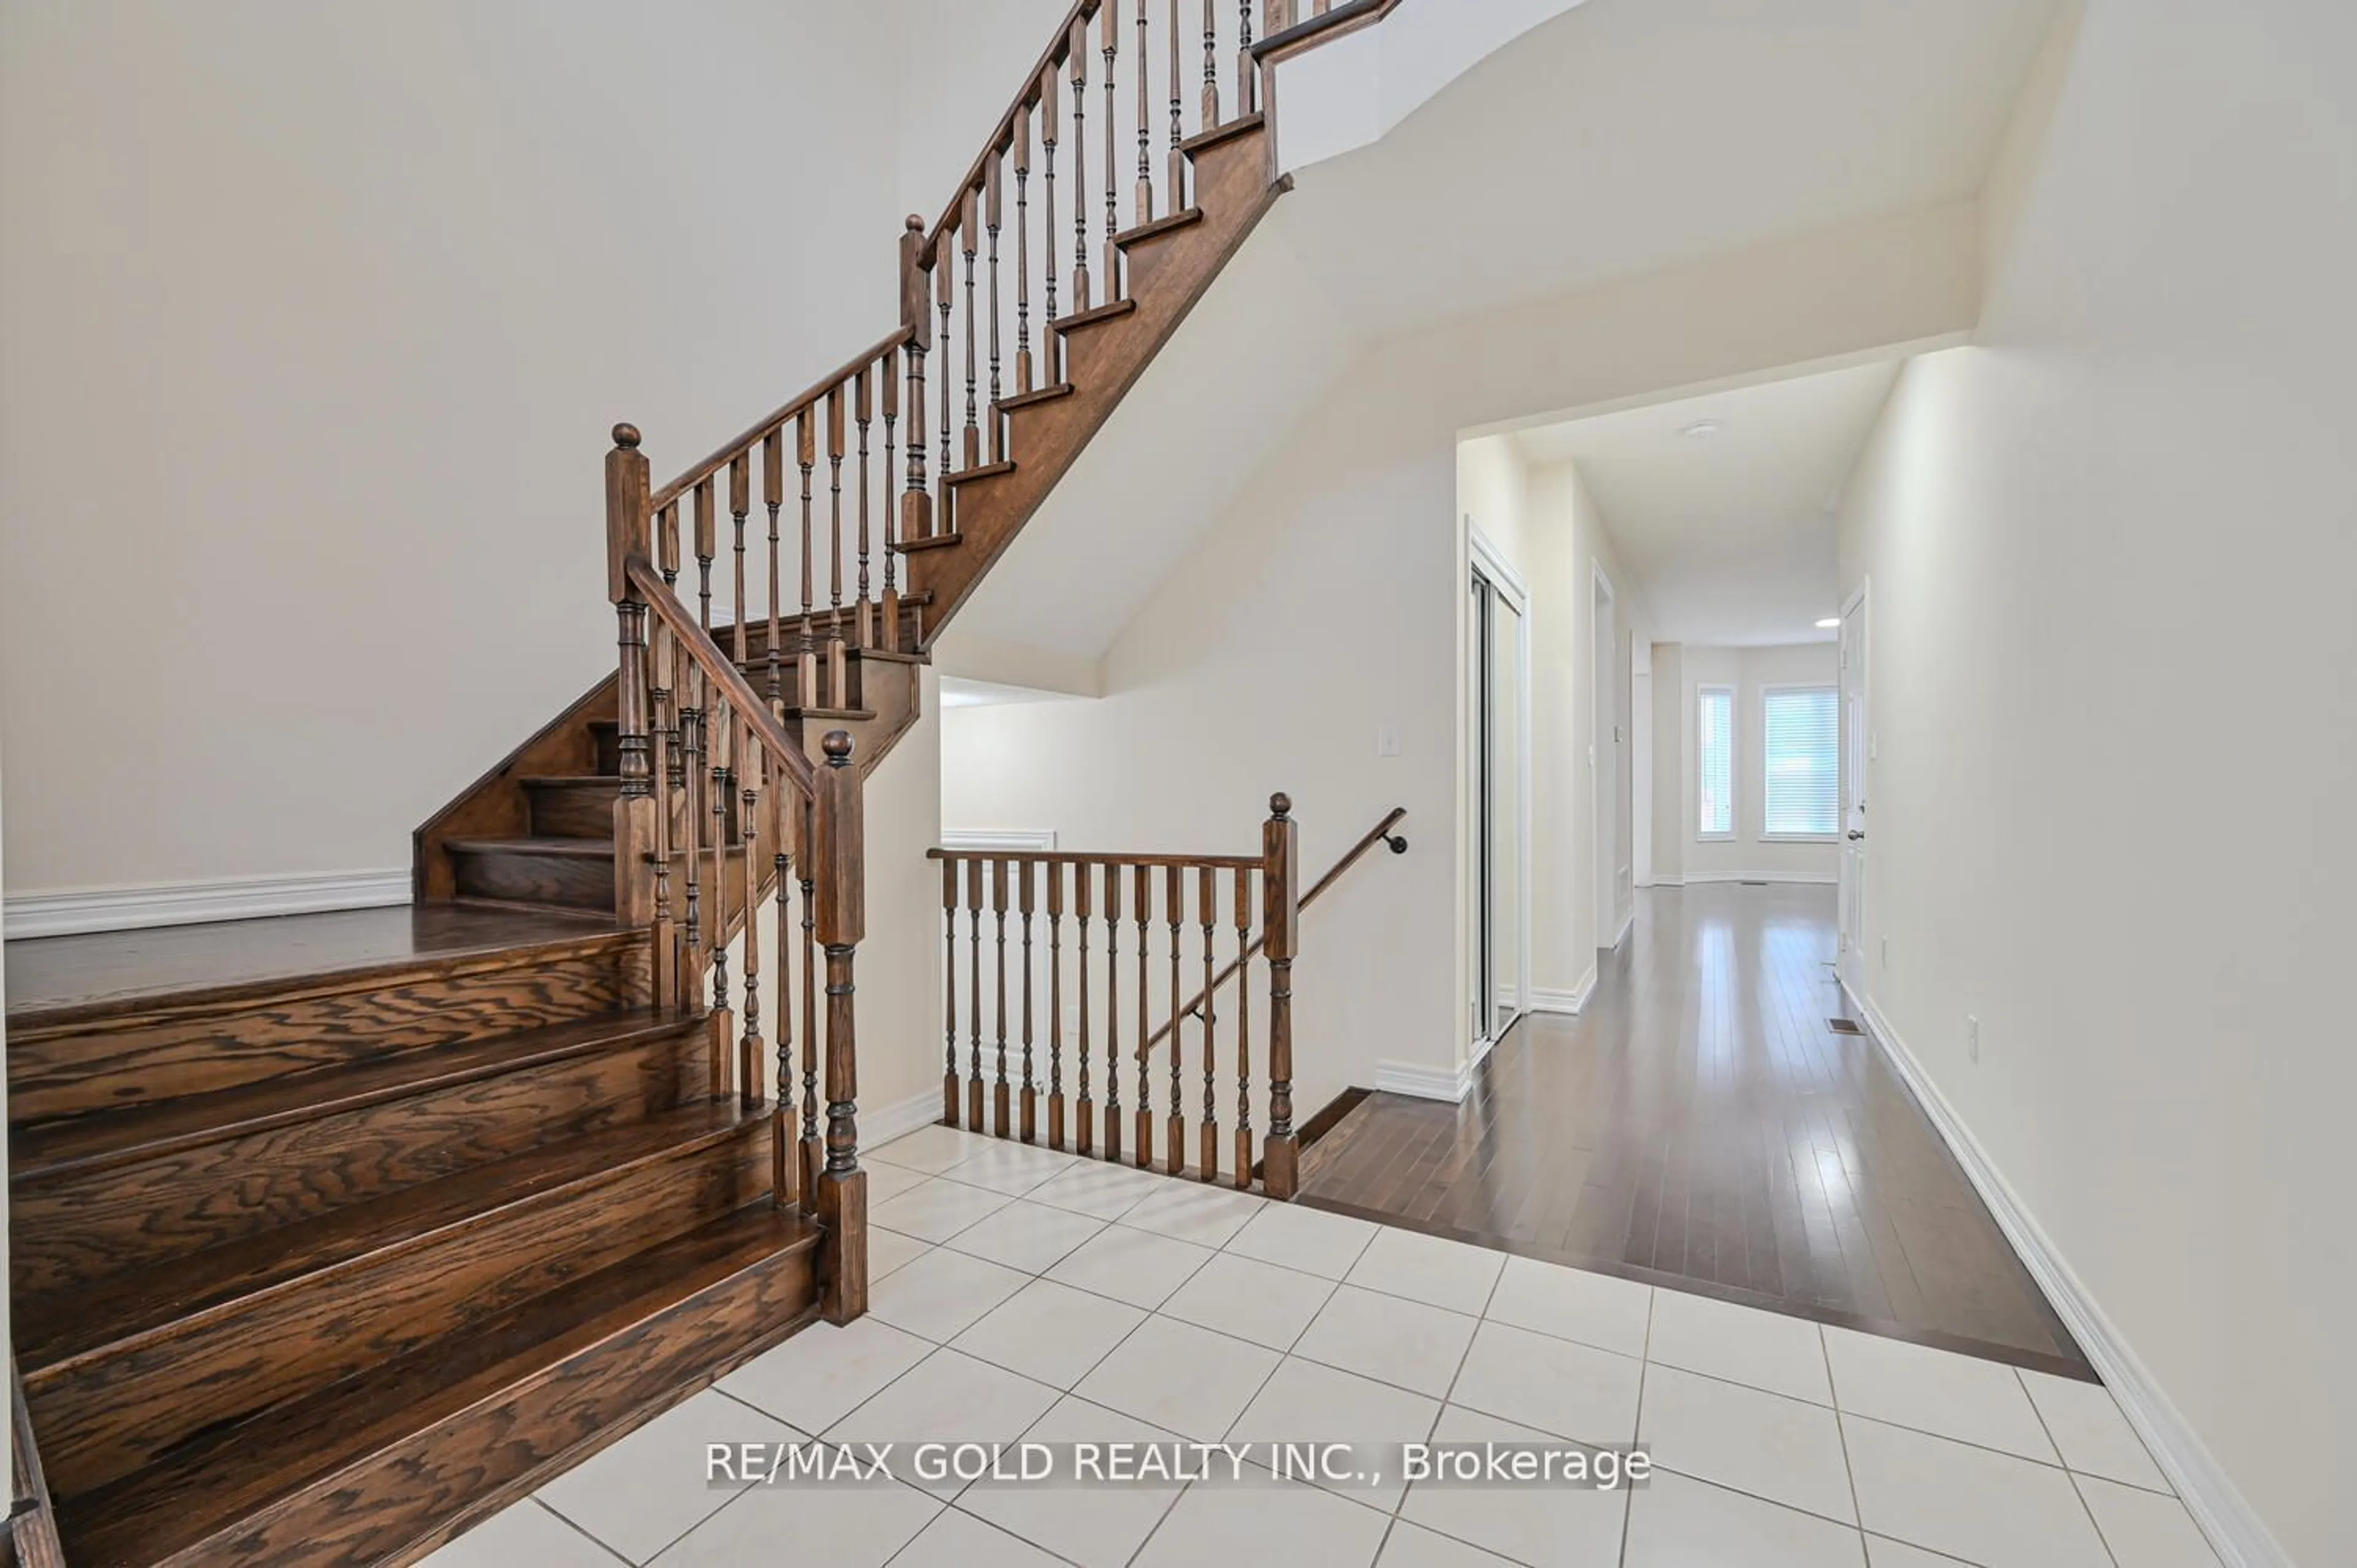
x=1327 y=25
x=1081 y=10
x=1157 y=861
x=1380 y=833
x=717 y=669
x=753 y=437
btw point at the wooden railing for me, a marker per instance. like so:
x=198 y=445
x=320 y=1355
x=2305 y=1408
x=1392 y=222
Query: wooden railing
x=1104 y=946
x=718 y=806
x=1380 y=833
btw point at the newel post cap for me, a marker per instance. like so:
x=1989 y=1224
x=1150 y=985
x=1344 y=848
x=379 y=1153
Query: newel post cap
x=626 y=436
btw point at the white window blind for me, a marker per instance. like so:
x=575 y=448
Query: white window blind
x=1715 y=746
x=1802 y=734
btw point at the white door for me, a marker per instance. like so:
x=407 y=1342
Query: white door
x=1857 y=746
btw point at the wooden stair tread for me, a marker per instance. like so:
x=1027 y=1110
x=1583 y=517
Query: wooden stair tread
x=570 y=781
x=931 y=542
x=1036 y=395
x=1169 y=223
x=225 y=1475
x=104 y=1138
x=982 y=471
x=1237 y=126
x=579 y=849
x=86 y=1319
x=1094 y=316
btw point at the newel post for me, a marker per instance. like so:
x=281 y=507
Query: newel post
x=837 y=856
x=1280 y=926
x=628 y=537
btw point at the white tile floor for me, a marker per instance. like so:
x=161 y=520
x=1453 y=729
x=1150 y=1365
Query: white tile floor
x=1020 y=1293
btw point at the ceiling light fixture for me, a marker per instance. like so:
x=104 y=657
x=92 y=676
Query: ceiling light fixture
x=1828 y=625
x=1701 y=429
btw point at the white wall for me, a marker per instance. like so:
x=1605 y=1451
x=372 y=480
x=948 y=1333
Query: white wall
x=2111 y=548
x=316 y=318
x=1750 y=855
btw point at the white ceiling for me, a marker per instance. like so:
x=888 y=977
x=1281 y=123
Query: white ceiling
x=1732 y=534
x=1628 y=136
x=1623 y=137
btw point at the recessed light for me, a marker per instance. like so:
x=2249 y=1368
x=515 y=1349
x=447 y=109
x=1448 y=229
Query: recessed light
x=1829 y=624
x=1701 y=429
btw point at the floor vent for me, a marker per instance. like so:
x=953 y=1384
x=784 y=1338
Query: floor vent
x=1843 y=1026
x=1751 y=885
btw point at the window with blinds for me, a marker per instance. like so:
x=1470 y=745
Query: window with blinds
x=1800 y=730
x=1715 y=748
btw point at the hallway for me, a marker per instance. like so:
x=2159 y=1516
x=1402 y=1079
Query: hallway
x=1702 y=1125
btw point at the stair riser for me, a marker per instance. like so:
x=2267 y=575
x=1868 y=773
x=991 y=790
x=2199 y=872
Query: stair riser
x=194 y=1050
x=565 y=882
x=570 y=810
x=109 y=1413
x=411 y=1497
x=80 y=1227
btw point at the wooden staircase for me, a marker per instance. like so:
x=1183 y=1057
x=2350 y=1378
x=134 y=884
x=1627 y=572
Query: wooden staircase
x=321 y=1267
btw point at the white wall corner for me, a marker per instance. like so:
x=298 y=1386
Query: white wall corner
x=2234 y=1529
x=189 y=903
x=1572 y=1001
x=1426 y=1082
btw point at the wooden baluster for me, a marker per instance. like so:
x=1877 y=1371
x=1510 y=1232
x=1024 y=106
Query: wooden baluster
x=1031 y=1121
x=1078 y=50
x=1243 y=1028
x=1022 y=249
x=706 y=544
x=1207 y=901
x=722 y=724
x=667 y=544
x=1276 y=15
x=862 y=412
x=1247 y=80
x=970 y=237
x=785 y=1170
x=1051 y=132
x=890 y=387
x=1001 y=1106
x=1178 y=175
x=740 y=502
x=806 y=654
x=1174 y=1157
x=917 y=315
x=994 y=215
x=1055 y=1006
x=838 y=675
x=691 y=724
x=1085 y=1143
x=1110 y=30
x=813 y=1146
x=773 y=497
x=974 y=1083
x=841 y=922
x=948 y=989
x=751 y=1055
x=1281 y=901
x=665 y=953
x=1144 y=900
x=1210 y=64
x=1112 y=1013
x=628 y=539
x=1145 y=212
x=945 y=498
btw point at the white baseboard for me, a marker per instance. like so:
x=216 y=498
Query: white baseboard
x=2236 y=1532
x=1628 y=923
x=1796 y=878
x=885 y=1123
x=1424 y=1082
x=1571 y=1001
x=187 y=903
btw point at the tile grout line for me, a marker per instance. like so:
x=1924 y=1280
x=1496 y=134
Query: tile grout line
x=577 y=1530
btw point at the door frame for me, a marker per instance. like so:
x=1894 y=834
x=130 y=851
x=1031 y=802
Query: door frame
x=1857 y=748
x=1486 y=562
x=1603 y=718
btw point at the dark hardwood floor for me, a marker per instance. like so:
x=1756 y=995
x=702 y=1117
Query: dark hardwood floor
x=1701 y=1125
x=54 y=974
